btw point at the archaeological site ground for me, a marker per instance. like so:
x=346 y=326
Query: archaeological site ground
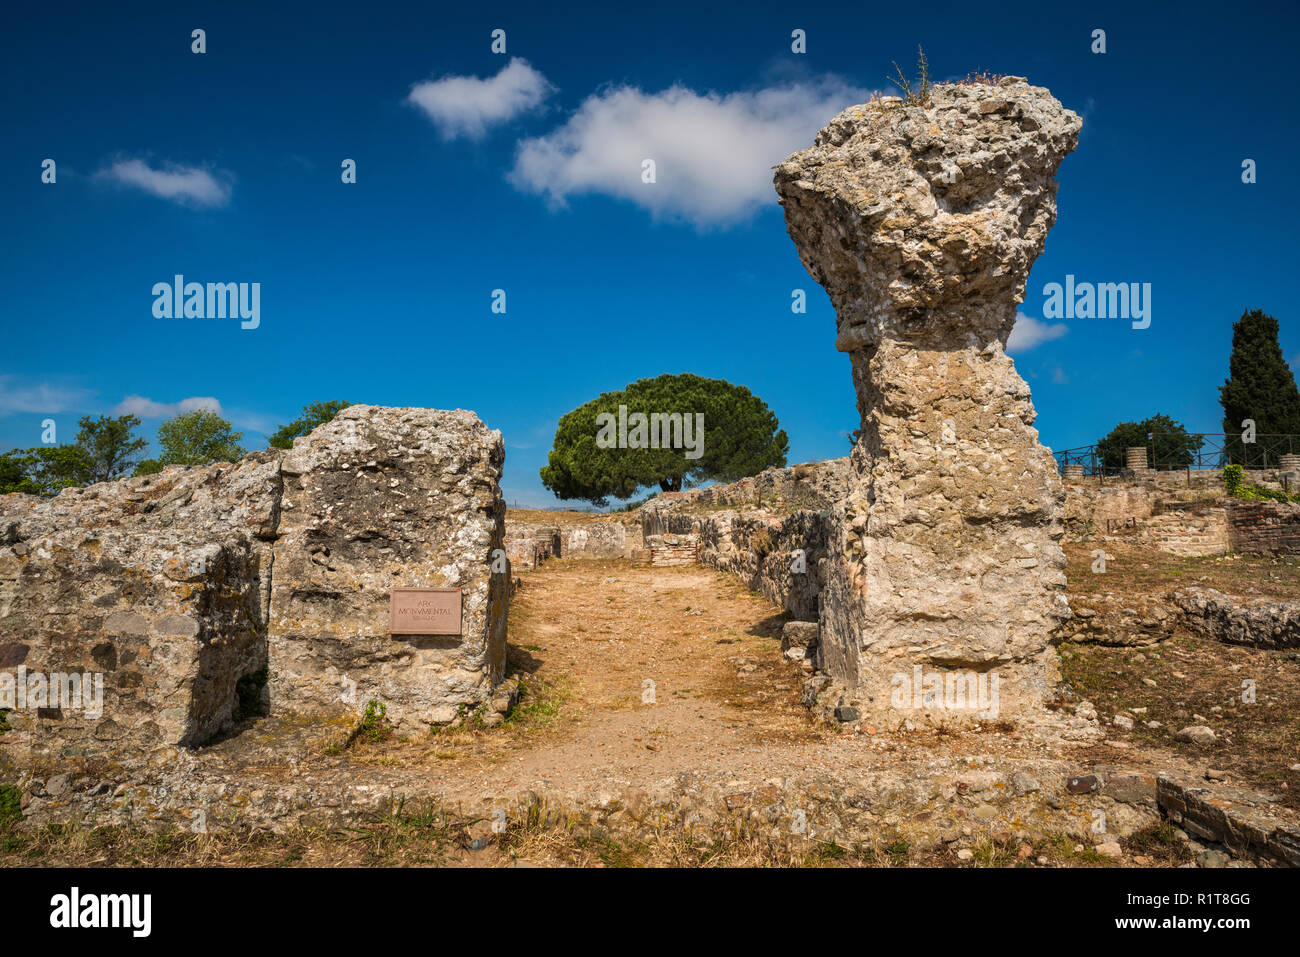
x=763 y=514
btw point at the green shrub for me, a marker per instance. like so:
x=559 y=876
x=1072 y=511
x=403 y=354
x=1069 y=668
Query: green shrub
x=372 y=722
x=1232 y=479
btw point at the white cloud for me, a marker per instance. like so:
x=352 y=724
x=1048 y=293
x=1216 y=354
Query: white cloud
x=149 y=409
x=713 y=152
x=467 y=106
x=187 y=185
x=42 y=398
x=1029 y=333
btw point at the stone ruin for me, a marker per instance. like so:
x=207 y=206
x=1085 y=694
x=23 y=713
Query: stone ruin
x=922 y=223
x=204 y=595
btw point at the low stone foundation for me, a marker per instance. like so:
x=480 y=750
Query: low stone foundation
x=670 y=551
x=1259 y=624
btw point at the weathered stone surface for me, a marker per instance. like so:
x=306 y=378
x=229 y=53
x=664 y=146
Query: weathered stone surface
x=1121 y=621
x=799 y=634
x=1262 y=624
x=922 y=223
x=159 y=584
x=376 y=499
x=177 y=593
x=1243 y=820
x=529 y=542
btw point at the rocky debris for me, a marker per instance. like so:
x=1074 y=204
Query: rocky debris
x=1125 y=621
x=922 y=223
x=1246 y=822
x=378 y=498
x=1196 y=734
x=799 y=639
x=1259 y=624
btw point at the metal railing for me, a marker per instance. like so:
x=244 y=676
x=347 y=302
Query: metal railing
x=1213 y=450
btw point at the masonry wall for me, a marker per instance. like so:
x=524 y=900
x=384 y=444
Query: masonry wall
x=529 y=542
x=186 y=591
x=159 y=584
x=1264 y=528
x=376 y=499
x=761 y=550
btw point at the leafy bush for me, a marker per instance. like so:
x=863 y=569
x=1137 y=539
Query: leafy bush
x=1232 y=479
x=1172 y=448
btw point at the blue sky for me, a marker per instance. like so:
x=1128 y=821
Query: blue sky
x=225 y=167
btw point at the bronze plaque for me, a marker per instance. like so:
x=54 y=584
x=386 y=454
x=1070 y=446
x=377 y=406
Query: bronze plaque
x=424 y=611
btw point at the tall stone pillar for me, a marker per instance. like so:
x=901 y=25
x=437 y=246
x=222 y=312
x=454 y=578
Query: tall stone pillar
x=922 y=223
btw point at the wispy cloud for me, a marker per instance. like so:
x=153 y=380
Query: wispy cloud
x=149 y=409
x=468 y=106
x=41 y=398
x=1028 y=333
x=187 y=185
x=713 y=153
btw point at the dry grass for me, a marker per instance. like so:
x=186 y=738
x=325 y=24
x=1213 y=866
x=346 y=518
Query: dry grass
x=1192 y=675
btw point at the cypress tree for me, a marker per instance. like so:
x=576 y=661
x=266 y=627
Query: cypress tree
x=1260 y=386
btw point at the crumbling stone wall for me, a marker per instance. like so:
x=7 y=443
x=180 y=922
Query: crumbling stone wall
x=922 y=223
x=780 y=557
x=672 y=551
x=1260 y=624
x=809 y=485
x=184 y=589
x=530 y=542
x=160 y=584
x=377 y=499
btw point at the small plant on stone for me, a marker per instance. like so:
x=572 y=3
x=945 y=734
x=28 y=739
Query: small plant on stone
x=919 y=96
x=1232 y=479
x=372 y=722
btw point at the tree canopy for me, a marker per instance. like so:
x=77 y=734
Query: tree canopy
x=105 y=449
x=1260 y=387
x=665 y=431
x=1172 y=447
x=318 y=413
x=111 y=445
x=198 y=438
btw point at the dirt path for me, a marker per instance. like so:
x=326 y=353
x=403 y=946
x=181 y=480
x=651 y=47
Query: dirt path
x=587 y=638
x=634 y=673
